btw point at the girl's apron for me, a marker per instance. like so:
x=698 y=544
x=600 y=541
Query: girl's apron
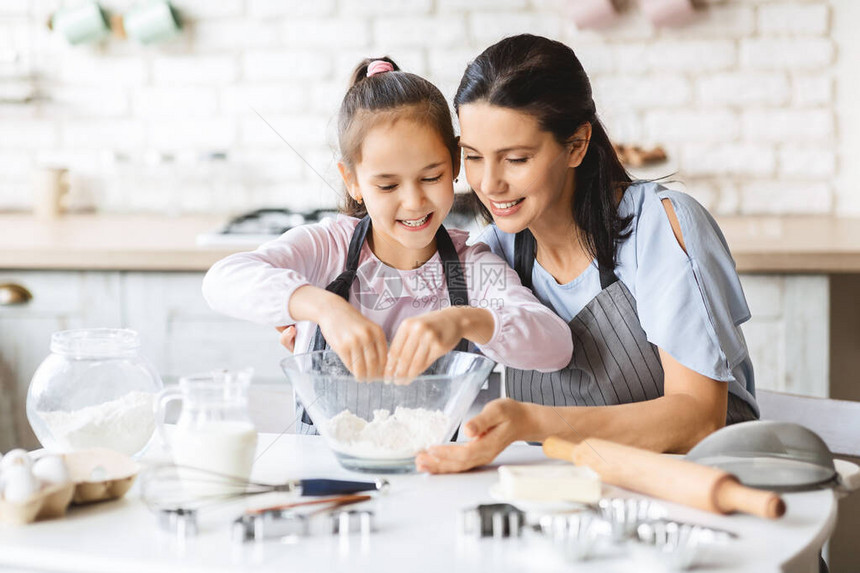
x=372 y=397
x=612 y=362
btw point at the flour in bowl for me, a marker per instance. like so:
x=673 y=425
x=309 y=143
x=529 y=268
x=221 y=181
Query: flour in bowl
x=387 y=436
x=124 y=424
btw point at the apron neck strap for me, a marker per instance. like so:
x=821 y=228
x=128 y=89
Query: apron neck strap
x=453 y=269
x=525 y=251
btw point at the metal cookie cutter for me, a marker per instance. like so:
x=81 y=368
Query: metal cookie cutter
x=350 y=521
x=270 y=525
x=181 y=521
x=493 y=520
x=290 y=521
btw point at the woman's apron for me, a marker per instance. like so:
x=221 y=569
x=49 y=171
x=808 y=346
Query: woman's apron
x=612 y=362
x=372 y=397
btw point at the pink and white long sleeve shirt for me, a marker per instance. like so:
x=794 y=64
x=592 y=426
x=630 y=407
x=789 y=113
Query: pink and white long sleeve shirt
x=257 y=286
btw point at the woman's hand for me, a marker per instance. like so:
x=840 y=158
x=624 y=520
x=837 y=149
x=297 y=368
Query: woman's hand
x=499 y=424
x=288 y=336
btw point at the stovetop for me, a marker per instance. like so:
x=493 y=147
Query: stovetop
x=261 y=225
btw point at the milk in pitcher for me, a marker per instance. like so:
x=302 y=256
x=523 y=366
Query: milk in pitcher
x=222 y=447
x=214 y=441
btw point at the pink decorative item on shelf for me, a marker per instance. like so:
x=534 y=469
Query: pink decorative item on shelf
x=668 y=12
x=592 y=13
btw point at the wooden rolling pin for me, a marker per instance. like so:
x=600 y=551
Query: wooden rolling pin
x=667 y=478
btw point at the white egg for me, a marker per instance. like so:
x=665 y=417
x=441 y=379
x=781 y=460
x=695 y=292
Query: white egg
x=51 y=470
x=98 y=473
x=19 y=484
x=17 y=457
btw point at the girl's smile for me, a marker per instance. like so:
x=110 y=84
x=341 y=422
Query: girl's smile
x=417 y=224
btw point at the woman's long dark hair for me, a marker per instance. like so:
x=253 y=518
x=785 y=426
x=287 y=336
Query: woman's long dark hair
x=544 y=78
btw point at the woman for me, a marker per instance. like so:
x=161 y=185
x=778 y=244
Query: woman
x=642 y=274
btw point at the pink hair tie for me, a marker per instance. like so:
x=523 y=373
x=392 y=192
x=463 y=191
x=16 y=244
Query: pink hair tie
x=379 y=67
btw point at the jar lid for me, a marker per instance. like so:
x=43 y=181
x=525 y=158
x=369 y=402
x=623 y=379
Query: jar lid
x=95 y=342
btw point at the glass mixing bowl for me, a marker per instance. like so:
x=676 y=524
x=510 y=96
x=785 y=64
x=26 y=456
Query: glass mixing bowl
x=379 y=426
x=94 y=390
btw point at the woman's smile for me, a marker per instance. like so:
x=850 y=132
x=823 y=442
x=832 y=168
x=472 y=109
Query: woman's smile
x=507 y=208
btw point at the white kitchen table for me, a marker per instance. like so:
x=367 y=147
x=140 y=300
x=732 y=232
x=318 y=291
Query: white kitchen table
x=416 y=530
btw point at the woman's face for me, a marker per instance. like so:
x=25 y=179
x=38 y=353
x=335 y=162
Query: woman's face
x=519 y=171
x=406 y=180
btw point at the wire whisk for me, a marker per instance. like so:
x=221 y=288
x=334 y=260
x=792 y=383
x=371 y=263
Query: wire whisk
x=171 y=487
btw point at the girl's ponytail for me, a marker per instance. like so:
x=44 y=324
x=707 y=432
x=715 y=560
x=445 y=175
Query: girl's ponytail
x=360 y=72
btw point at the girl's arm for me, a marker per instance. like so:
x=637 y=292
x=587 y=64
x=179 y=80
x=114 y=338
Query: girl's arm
x=422 y=339
x=526 y=335
x=504 y=319
x=257 y=285
x=275 y=285
x=693 y=406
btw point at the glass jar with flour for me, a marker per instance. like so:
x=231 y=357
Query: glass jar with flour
x=214 y=432
x=94 y=390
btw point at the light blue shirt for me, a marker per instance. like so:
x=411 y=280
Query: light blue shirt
x=690 y=304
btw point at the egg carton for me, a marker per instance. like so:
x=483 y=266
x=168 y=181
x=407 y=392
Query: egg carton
x=96 y=474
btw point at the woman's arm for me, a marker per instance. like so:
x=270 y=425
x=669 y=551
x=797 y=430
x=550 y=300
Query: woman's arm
x=693 y=406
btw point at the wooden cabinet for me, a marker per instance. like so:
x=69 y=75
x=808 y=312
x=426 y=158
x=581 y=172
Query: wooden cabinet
x=179 y=333
x=788 y=335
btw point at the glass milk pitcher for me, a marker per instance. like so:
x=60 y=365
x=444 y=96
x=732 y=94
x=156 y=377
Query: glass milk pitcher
x=214 y=432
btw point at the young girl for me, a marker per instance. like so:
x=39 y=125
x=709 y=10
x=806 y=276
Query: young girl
x=388 y=267
x=642 y=273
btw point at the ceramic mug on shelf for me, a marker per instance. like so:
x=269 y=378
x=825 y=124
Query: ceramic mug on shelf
x=81 y=24
x=151 y=22
x=50 y=184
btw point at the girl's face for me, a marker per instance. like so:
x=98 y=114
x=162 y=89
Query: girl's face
x=519 y=171
x=406 y=180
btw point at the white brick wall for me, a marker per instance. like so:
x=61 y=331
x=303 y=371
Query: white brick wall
x=793 y=20
x=745 y=89
x=743 y=98
x=796 y=53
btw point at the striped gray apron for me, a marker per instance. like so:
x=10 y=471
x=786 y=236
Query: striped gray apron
x=372 y=397
x=612 y=362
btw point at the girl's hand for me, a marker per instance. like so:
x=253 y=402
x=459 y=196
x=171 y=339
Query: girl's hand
x=497 y=426
x=420 y=340
x=288 y=337
x=358 y=341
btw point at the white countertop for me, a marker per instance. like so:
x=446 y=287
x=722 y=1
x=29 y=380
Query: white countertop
x=417 y=530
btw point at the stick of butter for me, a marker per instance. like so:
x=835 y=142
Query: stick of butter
x=555 y=482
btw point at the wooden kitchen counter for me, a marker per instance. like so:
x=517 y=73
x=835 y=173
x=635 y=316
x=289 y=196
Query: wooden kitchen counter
x=110 y=242
x=801 y=244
